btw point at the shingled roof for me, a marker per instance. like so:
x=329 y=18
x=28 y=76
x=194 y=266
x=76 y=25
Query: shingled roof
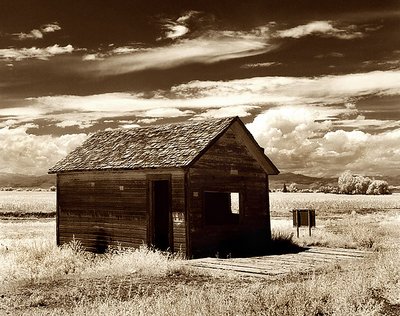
x=158 y=146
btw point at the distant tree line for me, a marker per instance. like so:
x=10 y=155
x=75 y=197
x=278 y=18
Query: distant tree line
x=348 y=183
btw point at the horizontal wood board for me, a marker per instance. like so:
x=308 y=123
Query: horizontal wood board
x=306 y=261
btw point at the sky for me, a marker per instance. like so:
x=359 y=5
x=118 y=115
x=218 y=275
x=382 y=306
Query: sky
x=316 y=82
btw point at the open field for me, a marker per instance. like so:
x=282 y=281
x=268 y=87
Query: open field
x=37 y=278
x=27 y=203
x=331 y=205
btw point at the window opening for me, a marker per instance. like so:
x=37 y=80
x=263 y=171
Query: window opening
x=221 y=208
x=235 y=203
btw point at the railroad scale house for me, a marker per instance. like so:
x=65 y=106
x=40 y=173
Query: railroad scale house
x=199 y=187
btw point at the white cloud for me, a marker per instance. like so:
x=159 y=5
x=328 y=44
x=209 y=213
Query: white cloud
x=78 y=123
x=209 y=48
x=295 y=90
x=177 y=28
x=239 y=110
x=187 y=16
x=125 y=50
x=165 y=112
x=148 y=120
x=129 y=126
x=92 y=57
x=25 y=153
x=34 y=34
x=361 y=123
x=38 y=33
x=332 y=54
x=323 y=28
x=260 y=65
x=50 y=28
x=115 y=51
x=175 y=31
x=300 y=140
x=221 y=98
x=45 y=53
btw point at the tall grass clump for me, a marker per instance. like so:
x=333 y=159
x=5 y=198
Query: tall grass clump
x=42 y=261
x=145 y=261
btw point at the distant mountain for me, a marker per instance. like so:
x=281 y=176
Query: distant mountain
x=27 y=181
x=276 y=182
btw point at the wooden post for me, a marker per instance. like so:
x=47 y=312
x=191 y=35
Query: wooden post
x=298 y=217
x=309 y=222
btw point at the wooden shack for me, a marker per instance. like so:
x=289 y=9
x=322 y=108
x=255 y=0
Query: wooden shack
x=199 y=187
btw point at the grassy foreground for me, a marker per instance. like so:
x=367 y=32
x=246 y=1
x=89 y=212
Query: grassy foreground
x=37 y=278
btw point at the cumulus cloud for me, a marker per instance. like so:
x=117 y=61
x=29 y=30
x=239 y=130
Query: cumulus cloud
x=322 y=28
x=34 y=34
x=50 y=28
x=45 y=53
x=300 y=140
x=38 y=33
x=21 y=152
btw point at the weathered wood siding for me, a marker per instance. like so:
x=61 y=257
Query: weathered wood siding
x=110 y=208
x=228 y=166
x=178 y=210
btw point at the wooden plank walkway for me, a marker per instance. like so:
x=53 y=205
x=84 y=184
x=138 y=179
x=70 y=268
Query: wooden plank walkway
x=279 y=265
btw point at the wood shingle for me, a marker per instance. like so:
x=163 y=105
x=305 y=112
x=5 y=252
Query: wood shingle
x=159 y=146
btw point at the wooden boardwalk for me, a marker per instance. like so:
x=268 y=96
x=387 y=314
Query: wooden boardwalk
x=306 y=261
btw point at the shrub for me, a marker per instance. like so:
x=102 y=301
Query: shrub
x=356 y=184
x=378 y=187
x=353 y=184
x=292 y=187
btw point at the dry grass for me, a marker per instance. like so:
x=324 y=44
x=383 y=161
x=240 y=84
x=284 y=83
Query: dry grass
x=374 y=231
x=371 y=288
x=37 y=278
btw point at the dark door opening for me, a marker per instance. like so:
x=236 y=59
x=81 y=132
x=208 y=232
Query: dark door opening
x=161 y=214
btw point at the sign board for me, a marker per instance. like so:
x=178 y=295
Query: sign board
x=303 y=217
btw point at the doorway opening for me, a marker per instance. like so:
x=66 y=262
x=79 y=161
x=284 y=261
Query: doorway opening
x=161 y=214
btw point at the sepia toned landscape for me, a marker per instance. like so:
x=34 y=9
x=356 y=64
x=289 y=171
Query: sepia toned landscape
x=200 y=157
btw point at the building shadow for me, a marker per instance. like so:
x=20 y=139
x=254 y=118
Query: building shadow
x=102 y=241
x=251 y=246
